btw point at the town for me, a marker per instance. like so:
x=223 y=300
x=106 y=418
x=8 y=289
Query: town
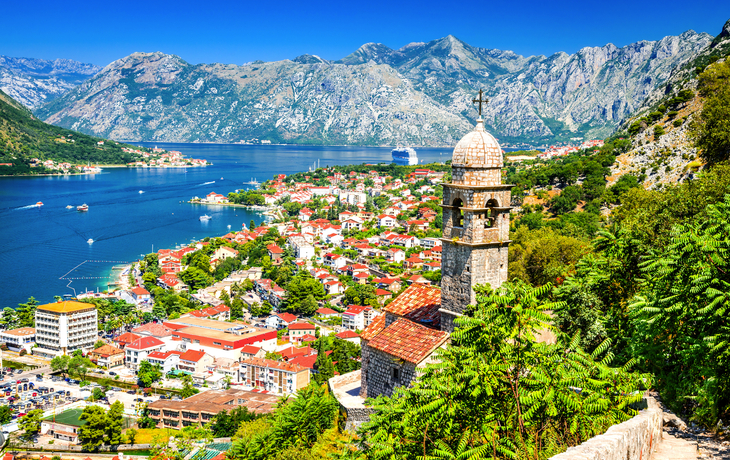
x=237 y=320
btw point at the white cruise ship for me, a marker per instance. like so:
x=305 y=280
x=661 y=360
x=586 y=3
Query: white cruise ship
x=405 y=156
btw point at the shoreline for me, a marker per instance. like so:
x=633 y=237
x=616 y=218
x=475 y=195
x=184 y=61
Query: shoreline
x=115 y=166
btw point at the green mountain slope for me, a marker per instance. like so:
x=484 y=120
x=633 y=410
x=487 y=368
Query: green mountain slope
x=24 y=137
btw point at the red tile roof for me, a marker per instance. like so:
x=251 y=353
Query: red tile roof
x=291 y=352
x=271 y=364
x=408 y=341
x=308 y=338
x=144 y=343
x=377 y=325
x=140 y=291
x=305 y=361
x=348 y=334
x=127 y=337
x=287 y=317
x=192 y=355
x=302 y=326
x=418 y=303
x=153 y=329
x=326 y=311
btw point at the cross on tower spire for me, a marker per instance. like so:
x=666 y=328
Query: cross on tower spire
x=480 y=101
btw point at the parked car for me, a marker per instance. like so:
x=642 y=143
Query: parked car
x=112 y=373
x=131 y=392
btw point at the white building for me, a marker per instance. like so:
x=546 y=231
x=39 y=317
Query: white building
x=358 y=317
x=139 y=350
x=17 y=339
x=167 y=361
x=64 y=327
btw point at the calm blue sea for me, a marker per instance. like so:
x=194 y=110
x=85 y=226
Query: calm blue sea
x=44 y=250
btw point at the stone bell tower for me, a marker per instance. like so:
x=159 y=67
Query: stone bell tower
x=476 y=208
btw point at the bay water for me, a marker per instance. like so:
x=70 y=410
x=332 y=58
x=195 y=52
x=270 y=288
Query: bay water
x=44 y=250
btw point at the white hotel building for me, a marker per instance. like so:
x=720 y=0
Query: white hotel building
x=64 y=327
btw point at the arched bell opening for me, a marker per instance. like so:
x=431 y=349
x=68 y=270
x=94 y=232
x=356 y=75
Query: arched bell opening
x=458 y=213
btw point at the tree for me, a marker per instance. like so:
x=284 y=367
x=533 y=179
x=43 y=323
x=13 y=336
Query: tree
x=360 y=294
x=159 y=311
x=9 y=318
x=682 y=326
x=97 y=394
x=302 y=286
x=498 y=392
x=236 y=308
x=324 y=367
x=26 y=313
x=251 y=225
x=131 y=436
x=147 y=374
x=61 y=364
x=30 y=423
x=308 y=306
x=711 y=128
x=261 y=310
x=6 y=415
x=79 y=366
x=92 y=433
x=115 y=420
x=99 y=344
x=188 y=389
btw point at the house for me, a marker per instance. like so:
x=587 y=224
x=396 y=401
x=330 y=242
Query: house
x=275 y=253
x=125 y=339
x=334 y=261
x=418 y=279
x=350 y=336
x=270 y=291
x=274 y=376
x=137 y=351
x=22 y=338
x=413 y=263
x=383 y=295
x=333 y=287
x=299 y=329
x=386 y=221
x=391 y=284
x=195 y=363
x=215 y=198
x=249 y=351
x=432 y=266
x=280 y=320
x=170 y=281
x=358 y=317
x=421 y=225
x=395 y=255
x=327 y=313
x=156 y=330
x=305 y=214
x=141 y=295
x=107 y=356
x=224 y=252
x=167 y=360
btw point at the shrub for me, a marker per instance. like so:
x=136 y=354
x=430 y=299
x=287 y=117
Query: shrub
x=658 y=130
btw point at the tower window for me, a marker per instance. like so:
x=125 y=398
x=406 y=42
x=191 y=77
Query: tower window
x=458 y=213
x=396 y=375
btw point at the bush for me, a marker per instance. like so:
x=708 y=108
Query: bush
x=658 y=130
x=677 y=123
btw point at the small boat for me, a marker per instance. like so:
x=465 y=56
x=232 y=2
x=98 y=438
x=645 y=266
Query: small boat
x=39 y=204
x=69 y=207
x=89 y=241
x=205 y=217
x=141 y=191
x=83 y=207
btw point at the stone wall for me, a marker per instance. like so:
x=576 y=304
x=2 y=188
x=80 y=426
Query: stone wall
x=631 y=440
x=377 y=373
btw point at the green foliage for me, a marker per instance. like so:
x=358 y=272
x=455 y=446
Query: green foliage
x=114 y=422
x=497 y=392
x=22 y=137
x=148 y=374
x=93 y=432
x=131 y=436
x=297 y=423
x=360 y=294
x=188 y=389
x=543 y=256
x=6 y=415
x=61 y=364
x=226 y=424
x=300 y=289
x=681 y=317
x=567 y=200
x=30 y=424
x=711 y=129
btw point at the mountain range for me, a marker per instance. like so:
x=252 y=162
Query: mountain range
x=33 y=82
x=418 y=95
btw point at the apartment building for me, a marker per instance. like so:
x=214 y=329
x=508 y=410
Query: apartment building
x=18 y=339
x=200 y=409
x=64 y=327
x=274 y=376
x=139 y=350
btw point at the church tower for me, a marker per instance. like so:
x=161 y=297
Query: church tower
x=476 y=208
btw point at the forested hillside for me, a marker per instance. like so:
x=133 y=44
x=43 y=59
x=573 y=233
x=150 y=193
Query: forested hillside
x=23 y=137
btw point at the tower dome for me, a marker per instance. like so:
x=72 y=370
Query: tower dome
x=479 y=149
x=477 y=158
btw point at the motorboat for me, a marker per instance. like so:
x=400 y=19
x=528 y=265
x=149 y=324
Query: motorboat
x=83 y=207
x=205 y=217
x=90 y=241
x=69 y=207
x=39 y=204
x=141 y=191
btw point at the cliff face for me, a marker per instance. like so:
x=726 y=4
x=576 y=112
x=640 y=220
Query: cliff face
x=34 y=82
x=671 y=157
x=418 y=95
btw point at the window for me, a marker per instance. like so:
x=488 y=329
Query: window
x=196 y=341
x=396 y=375
x=458 y=219
x=217 y=343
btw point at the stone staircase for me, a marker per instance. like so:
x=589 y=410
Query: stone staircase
x=674 y=446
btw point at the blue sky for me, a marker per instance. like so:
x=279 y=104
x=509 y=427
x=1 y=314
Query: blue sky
x=237 y=32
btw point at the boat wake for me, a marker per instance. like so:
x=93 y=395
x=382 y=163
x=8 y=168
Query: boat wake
x=207 y=183
x=31 y=206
